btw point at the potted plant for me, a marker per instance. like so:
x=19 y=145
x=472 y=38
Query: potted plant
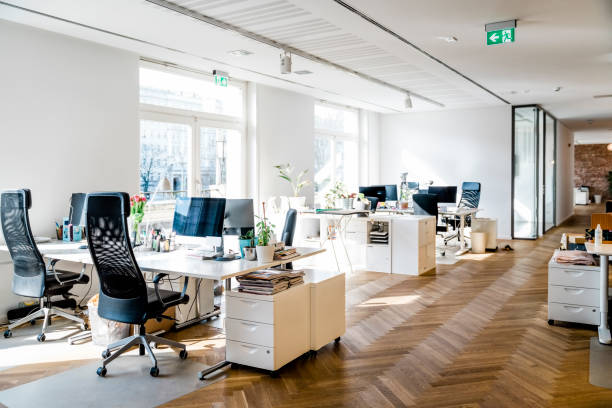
x=265 y=251
x=338 y=197
x=246 y=241
x=285 y=171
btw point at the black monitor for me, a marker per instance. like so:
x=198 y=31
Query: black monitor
x=239 y=216
x=446 y=194
x=77 y=209
x=199 y=216
x=380 y=192
x=391 y=192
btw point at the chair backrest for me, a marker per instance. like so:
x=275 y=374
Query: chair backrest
x=373 y=203
x=123 y=290
x=425 y=204
x=470 y=194
x=289 y=229
x=28 y=265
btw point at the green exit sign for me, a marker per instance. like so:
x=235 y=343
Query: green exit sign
x=221 y=78
x=500 y=36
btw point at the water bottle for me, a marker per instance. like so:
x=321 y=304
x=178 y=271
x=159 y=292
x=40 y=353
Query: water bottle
x=598 y=235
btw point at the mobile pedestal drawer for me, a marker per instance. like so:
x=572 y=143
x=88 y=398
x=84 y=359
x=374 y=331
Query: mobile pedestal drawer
x=267 y=332
x=573 y=293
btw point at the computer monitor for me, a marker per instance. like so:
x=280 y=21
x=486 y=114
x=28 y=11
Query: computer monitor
x=391 y=192
x=199 y=216
x=77 y=209
x=239 y=216
x=379 y=192
x=446 y=194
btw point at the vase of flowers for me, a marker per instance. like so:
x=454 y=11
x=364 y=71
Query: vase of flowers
x=265 y=230
x=285 y=171
x=137 y=207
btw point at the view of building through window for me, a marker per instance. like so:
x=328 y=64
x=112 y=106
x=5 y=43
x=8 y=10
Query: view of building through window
x=190 y=137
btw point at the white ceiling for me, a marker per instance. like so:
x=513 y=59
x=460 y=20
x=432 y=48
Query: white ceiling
x=563 y=43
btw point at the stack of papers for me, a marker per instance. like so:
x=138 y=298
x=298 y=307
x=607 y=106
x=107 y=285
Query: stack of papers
x=573 y=257
x=379 y=237
x=285 y=253
x=270 y=281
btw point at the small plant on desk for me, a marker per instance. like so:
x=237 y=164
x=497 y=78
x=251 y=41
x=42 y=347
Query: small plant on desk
x=265 y=251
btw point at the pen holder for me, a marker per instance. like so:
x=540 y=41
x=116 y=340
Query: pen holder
x=250 y=254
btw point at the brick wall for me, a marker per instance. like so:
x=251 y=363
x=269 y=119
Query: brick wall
x=592 y=162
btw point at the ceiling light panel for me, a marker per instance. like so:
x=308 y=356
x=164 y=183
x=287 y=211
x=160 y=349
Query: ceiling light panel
x=289 y=24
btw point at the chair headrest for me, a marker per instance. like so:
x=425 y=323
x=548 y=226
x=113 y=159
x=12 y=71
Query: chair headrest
x=105 y=201
x=21 y=198
x=471 y=186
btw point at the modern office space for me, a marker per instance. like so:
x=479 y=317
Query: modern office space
x=291 y=203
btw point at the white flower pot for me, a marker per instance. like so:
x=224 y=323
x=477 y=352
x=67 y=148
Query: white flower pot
x=297 y=202
x=265 y=254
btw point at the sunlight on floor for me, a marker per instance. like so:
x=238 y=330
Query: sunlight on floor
x=390 y=300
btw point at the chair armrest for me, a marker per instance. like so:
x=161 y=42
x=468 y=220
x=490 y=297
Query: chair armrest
x=51 y=268
x=158 y=279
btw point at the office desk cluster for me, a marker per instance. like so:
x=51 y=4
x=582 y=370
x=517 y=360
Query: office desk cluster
x=262 y=331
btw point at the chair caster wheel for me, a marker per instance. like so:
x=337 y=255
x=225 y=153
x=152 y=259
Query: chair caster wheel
x=154 y=371
x=106 y=353
x=153 y=345
x=7 y=334
x=33 y=322
x=84 y=326
x=337 y=340
x=551 y=322
x=101 y=371
x=41 y=337
x=183 y=354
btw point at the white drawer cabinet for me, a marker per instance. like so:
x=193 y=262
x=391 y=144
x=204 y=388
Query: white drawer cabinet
x=573 y=293
x=413 y=244
x=267 y=332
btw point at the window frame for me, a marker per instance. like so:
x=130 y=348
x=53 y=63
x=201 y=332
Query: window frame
x=197 y=120
x=335 y=135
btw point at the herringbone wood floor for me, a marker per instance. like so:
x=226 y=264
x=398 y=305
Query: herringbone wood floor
x=473 y=335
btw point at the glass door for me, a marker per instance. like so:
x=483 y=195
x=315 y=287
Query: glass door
x=549 y=167
x=525 y=173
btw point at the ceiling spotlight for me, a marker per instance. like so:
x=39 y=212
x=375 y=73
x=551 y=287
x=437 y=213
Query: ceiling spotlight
x=239 y=53
x=285 y=63
x=408 y=101
x=448 y=39
x=557 y=89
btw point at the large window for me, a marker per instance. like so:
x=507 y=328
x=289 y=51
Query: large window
x=336 y=148
x=191 y=135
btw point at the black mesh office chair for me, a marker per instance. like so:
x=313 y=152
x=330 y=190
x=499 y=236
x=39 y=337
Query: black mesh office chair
x=124 y=295
x=289 y=229
x=427 y=204
x=31 y=278
x=470 y=198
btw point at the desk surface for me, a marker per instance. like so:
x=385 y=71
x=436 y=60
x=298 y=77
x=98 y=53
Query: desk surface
x=603 y=249
x=176 y=262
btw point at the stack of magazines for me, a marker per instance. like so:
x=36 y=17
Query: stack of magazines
x=379 y=237
x=285 y=253
x=573 y=257
x=270 y=281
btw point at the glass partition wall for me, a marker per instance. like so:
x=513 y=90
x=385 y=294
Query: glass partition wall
x=533 y=171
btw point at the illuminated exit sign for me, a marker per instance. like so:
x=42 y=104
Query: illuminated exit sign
x=221 y=78
x=500 y=32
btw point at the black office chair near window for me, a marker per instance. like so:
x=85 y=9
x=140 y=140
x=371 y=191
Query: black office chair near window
x=470 y=198
x=427 y=204
x=289 y=231
x=31 y=278
x=124 y=295
x=373 y=203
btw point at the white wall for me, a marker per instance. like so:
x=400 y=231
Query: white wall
x=284 y=133
x=565 y=173
x=450 y=147
x=68 y=123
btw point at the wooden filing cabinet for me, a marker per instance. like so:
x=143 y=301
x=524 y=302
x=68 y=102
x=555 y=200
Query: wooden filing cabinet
x=573 y=293
x=267 y=332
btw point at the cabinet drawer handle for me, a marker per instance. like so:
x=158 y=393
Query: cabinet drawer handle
x=573 y=309
x=252 y=327
x=574 y=291
x=250 y=348
x=251 y=303
x=575 y=274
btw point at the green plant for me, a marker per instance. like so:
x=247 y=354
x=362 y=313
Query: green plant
x=285 y=171
x=250 y=235
x=264 y=228
x=337 y=191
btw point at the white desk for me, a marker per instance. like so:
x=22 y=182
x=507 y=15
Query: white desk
x=604 y=251
x=174 y=263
